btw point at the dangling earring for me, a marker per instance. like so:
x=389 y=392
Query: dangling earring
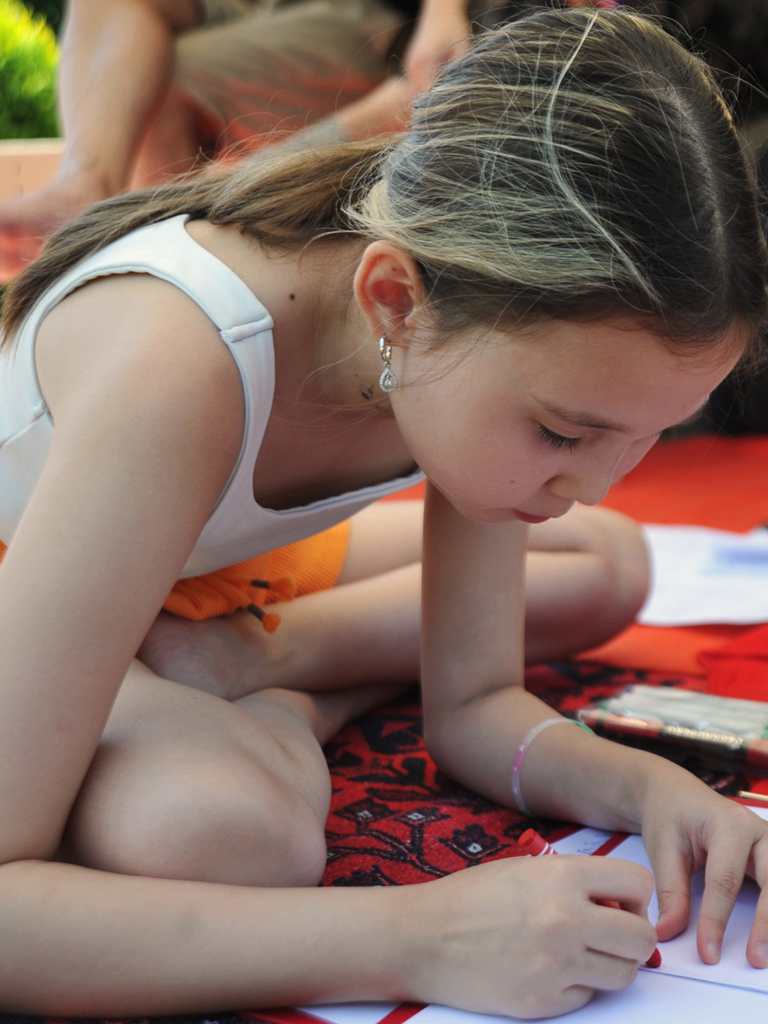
x=387 y=381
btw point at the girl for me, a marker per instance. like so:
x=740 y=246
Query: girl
x=561 y=259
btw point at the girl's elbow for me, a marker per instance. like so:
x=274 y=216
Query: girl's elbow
x=437 y=740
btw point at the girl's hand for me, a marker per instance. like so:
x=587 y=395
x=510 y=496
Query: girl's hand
x=524 y=937
x=685 y=827
x=441 y=35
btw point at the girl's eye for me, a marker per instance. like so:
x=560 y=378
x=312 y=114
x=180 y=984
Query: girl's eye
x=556 y=441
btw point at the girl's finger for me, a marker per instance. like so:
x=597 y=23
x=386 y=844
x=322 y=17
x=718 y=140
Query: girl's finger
x=573 y=998
x=726 y=865
x=610 y=878
x=673 y=890
x=606 y=972
x=757 y=946
x=619 y=933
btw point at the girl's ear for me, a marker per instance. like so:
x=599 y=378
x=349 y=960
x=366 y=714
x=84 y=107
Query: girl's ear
x=388 y=289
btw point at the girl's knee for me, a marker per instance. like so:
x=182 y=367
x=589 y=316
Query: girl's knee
x=627 y=561
x=241 y=827
x=616 y=579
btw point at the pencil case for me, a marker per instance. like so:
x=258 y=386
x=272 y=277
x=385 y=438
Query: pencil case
x=696 y=730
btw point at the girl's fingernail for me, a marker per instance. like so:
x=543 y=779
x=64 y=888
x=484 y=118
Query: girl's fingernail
x=713 y=953
x=762 y=952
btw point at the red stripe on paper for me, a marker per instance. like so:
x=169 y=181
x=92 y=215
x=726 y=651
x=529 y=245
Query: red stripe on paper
x=402 y=1013
x=290 y=1015
x=610 y=844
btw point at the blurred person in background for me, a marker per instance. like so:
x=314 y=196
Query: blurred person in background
x=148 y=86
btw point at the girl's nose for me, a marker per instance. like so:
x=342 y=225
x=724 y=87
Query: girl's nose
x=585 y=487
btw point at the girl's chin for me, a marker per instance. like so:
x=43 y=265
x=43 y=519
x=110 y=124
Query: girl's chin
x=485 y=515
x=475 y=513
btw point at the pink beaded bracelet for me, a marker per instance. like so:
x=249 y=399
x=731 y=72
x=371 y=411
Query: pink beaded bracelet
x=517 y=764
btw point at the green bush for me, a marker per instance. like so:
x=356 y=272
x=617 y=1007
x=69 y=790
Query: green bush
x=28 y=58
x=52 y=11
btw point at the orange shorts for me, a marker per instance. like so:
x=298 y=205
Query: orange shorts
x=301 y=568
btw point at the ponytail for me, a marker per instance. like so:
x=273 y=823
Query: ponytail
x=282 y=202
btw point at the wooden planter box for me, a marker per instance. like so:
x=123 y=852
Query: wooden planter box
x=26 y=164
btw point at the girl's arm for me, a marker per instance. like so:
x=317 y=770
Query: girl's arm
x=476 y=939
x=476 y=708
x=147 y=405
x=477 y=713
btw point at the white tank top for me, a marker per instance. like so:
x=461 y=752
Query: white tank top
x=238 y=528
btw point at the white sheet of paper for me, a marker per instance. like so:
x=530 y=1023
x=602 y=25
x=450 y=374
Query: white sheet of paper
x=351 y=1013
x=650 y=1000
x=585 y=840
x=653 y=997
x=704 y=576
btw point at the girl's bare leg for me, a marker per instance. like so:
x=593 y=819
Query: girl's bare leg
x=187 y=785
x=187 y=790
x=587 y=577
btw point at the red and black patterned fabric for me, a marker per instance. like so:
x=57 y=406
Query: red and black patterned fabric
x=395 y=819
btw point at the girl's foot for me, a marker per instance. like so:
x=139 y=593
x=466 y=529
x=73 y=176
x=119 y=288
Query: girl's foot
x=230 y=656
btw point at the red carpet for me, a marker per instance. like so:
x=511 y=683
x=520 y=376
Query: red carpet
x=395 y=819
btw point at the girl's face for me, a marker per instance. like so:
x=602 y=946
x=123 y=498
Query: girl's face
x=522 y=427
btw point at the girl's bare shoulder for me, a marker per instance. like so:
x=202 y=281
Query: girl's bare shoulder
x=138 y=332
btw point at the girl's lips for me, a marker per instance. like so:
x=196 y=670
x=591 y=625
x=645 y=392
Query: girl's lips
x=530 y=519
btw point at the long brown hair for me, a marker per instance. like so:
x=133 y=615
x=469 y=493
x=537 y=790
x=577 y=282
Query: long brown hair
x=282 y=203
x=574 y=164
